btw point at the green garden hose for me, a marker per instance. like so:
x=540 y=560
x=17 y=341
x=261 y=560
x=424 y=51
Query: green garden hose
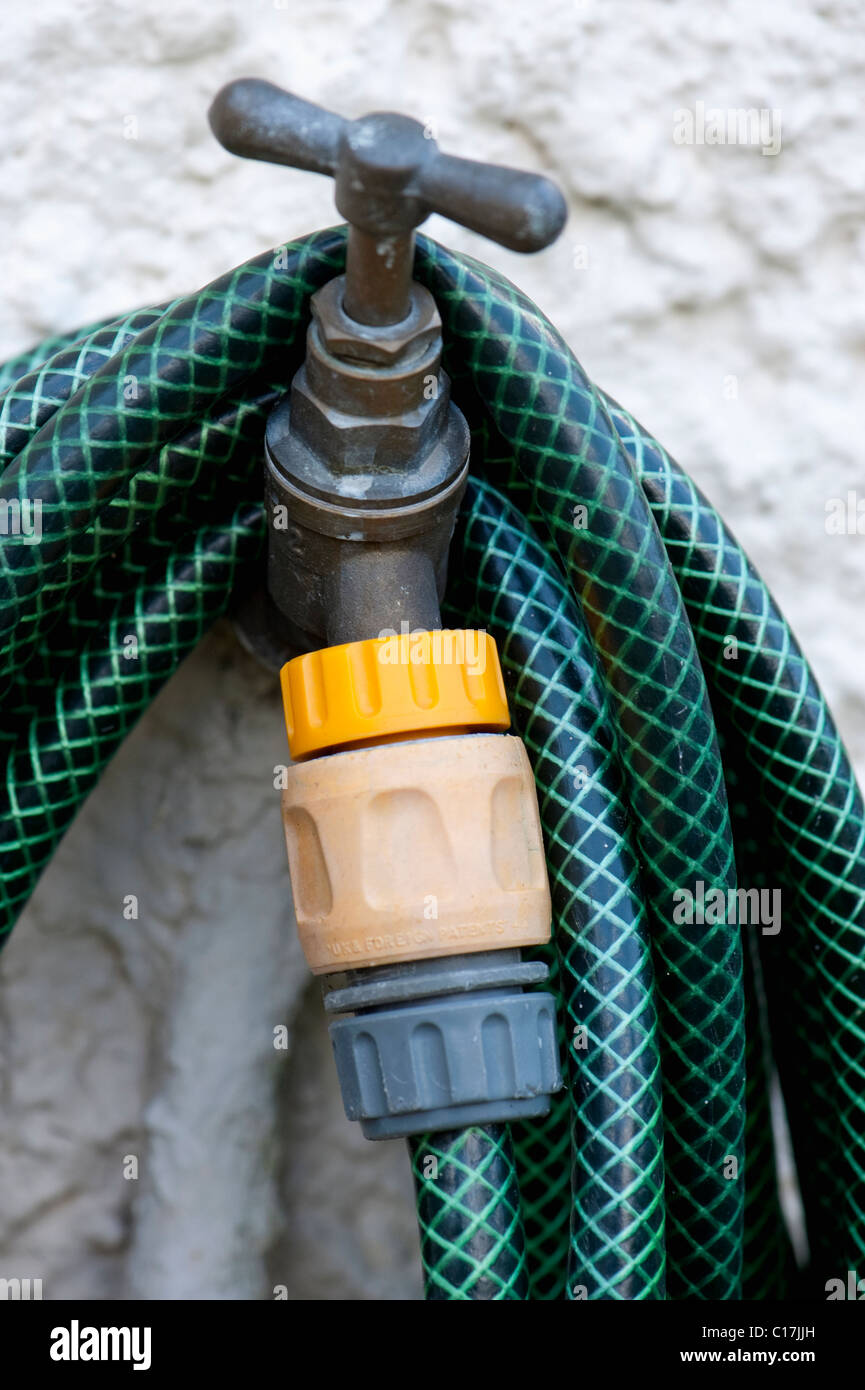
x=616 y=596
x=611 y=1111
x=469 y=1211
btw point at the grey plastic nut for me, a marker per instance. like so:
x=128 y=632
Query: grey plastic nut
x=443 y=1063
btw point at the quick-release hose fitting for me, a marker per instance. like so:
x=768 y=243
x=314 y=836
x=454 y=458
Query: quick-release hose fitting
x=418 y=871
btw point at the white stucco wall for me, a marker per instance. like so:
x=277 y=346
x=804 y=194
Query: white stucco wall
x=716 y=290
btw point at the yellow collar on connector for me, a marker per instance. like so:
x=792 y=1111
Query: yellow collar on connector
x=406 y=685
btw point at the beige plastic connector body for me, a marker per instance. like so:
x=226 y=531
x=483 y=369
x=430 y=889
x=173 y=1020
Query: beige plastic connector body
x=410 y=850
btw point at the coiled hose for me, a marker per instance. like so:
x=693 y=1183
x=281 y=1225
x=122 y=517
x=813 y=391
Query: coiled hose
x=676 y=733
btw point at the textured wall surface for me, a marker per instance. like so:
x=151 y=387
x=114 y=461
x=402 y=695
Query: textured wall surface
x=714 y=288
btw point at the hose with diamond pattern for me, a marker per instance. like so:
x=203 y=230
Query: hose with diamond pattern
x=616 y=597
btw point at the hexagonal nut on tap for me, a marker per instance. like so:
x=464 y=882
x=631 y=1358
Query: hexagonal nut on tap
x=370 y=399
x=351 y=341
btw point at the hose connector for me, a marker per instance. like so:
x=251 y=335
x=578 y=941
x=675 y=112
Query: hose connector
x=418 y=871
x=443 y=1044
